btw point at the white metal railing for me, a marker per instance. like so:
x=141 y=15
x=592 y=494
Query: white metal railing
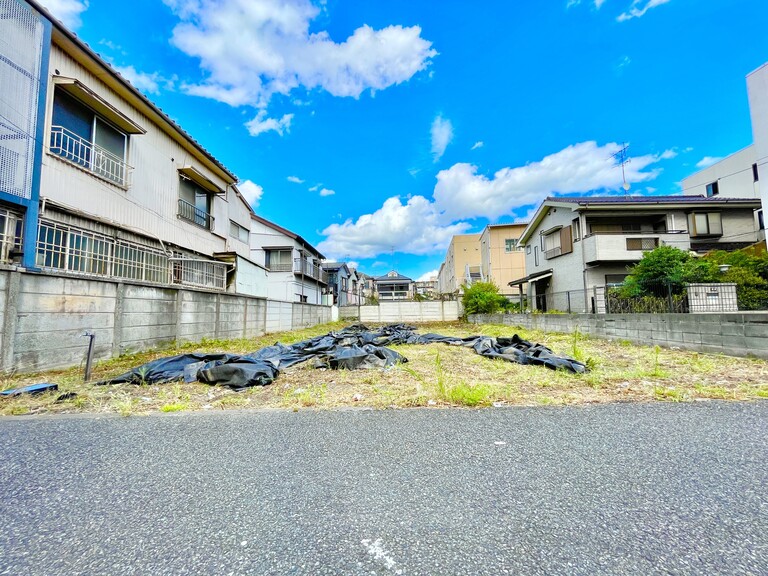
x=309 y=268
x=90 y=156
x=71 y=249
x=200 y=273
x=11 y=233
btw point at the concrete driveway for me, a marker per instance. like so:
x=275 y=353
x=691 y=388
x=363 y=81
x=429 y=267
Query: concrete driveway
x=617 y=489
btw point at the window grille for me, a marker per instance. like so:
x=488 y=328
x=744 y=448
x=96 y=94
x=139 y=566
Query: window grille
x=11 y=233
x=63 y=247
x=642 y=243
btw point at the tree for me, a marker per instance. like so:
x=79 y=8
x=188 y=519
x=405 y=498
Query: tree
x=482 y=298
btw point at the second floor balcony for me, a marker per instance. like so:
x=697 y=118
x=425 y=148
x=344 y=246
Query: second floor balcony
x=89 y=156
x=307 y=268
x=629 y=246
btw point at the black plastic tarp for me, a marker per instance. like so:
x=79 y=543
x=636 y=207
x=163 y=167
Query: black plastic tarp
x=351 y=348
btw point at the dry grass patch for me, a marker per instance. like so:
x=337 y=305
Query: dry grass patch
x=436 y=375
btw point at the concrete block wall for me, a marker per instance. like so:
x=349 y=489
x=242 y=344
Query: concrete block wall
x=44 y=317
x=146 y=318
x=405 y=311
x=731 y=333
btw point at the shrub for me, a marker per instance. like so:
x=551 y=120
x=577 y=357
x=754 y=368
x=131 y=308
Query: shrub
x=482 y=298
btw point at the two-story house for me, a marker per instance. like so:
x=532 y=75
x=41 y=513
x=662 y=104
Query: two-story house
x=501 y=256
x=105 y=183
x=394 y=286
x=339 y=281
x=575 y=244
x=294 y=265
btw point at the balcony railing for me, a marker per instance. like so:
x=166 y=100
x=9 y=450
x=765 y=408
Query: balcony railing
x=11 y=225
x=195 y=215
x=282 y=267
x=308 y=268
x=629 y=246
x=553 y=253
x=90 y=156
x=71 y=249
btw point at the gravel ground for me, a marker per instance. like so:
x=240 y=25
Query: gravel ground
x=611 y=489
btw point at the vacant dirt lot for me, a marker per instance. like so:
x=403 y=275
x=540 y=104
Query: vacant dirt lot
x=436 y=375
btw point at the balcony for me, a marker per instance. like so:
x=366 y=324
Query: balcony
x=193 y=214
x=630 y=246
x=307 y=268
x=89 y=156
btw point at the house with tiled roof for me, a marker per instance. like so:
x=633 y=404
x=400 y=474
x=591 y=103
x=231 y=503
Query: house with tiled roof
x=573 y=245
x=97 y=181
x=394 y=286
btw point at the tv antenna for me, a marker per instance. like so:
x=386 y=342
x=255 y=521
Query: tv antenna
x=622 y=159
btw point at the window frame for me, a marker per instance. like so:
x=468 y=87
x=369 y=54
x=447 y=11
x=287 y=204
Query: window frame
x=712 y=189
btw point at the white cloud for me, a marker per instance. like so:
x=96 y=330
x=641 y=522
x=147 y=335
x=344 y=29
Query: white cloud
x=478 y=144
x=295 y=180
x=252 y=192
x=327 y=192
x=315 y=188
x=463 y=193
x=427 y=276
x=413 y=227
x=353 y=264
x=261 y=124
x=252 y=49
x=639 y=8
x=668 y=154
x=68 y=11
x=623 y=63
x=143 y=81
x=442 y=134
x=597 y=3
x=707 y=161
x=422 y=226
x=689 y=149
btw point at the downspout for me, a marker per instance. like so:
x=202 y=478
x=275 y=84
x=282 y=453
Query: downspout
x=582 y=234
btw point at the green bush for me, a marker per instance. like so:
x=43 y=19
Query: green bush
x=482 y=298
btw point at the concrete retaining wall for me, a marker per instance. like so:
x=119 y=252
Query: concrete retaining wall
x=734 y=334
x=404 y=311
x=44 y=316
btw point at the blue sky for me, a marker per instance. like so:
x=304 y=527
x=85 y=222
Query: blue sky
x=377 y=129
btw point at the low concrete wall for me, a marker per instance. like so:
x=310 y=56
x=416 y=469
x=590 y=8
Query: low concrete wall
x=44 y=316
x=734 y=334
x=404 y=311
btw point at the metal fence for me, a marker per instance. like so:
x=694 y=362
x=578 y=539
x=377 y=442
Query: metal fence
x=656 y=297
x=90 y=156
x=71 y=249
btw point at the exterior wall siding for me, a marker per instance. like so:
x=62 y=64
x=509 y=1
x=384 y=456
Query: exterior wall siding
x=44 y=317
x=733 y=175
x=150 y=204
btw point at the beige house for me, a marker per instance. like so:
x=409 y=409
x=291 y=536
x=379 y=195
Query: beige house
x=461 y=264
x=501 y=256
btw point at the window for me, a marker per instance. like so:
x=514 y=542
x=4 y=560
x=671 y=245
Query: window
x=528 y=249
x=615 y=278
x=536 y=255
x=80 y=136
x=576 y=230
x=755 y=175
x=642 y=243
x=760 y=220
x=705 y=224
x=279 y=260
x=194 y=203
x=239 y=232
x=558 y=243
x=510 y=245
x=713 y=189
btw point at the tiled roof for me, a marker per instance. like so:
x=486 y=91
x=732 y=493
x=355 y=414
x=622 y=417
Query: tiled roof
x=695 y=198
x=397 y=278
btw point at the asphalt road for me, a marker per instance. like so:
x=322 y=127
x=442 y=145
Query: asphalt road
x=621 y=489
